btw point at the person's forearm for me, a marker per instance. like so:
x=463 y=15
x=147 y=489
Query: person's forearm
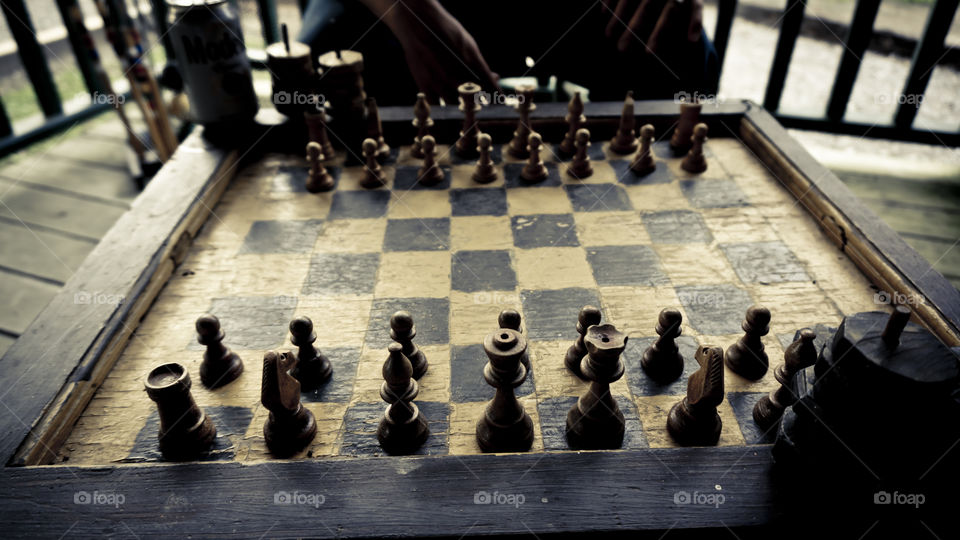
x=395 y=15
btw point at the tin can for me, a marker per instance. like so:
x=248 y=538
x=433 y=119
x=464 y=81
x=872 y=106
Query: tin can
x=208 y=44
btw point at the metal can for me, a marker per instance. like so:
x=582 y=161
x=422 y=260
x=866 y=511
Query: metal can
x=208 y=44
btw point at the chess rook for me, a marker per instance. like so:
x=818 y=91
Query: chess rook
x=403 y=429
x=575 y=120
x=466 y=146
x=313 y=368
x=318 y=179
x=580 y=167
x=695 y=162
x=510 y=318
x=595 y=421
x=588 y=317
x=290 y=427
x=375 y=128
x=534 y=171
x=373 y=176
x=423 y=123
x=518 y=145
x=662 y=360
x=643 y=163
x=747 y=357
x=801 y=354
x=689 y=117
x=625 y=141
x=505 y=425
x=430 y=173
x=185 y=431
x=486 y=171
x=694 y=420
x=403 y=330
x=220 y=365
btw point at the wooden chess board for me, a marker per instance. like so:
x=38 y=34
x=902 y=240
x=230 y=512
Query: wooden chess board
x=234 y=233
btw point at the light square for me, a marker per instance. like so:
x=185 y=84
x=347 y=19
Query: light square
x=480 y=232
x=411 y=274
x=610 y=229
x=537 y=200
x=694 y=264
x=351 y=236
x=653 y=411
x=419 y=203
x=339 y=321
x=657 y=197
x=553 y=268
x=474 y=315
x=634 y=310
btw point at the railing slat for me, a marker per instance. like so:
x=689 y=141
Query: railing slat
x=726 y=9
x=789 y=30
x=268 y=19
x=77 y=34
x=925 y=58
x=32 y=57
x=160 y=12
x=6 y=129
x=858 y=38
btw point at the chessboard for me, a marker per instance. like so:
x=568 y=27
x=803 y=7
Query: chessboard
x=249 y=244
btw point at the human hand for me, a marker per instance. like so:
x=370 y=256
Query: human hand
x=659 y=26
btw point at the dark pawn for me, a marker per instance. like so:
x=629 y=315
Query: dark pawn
x=318 y=179
x=695 y=162
x=575 y=120
x=625 y=141
x=505 y=425
x=290 y=427
x=423 y=123
x=466 y=146
x=595 y=422
x=317 y=128
x=662 y=360
x=510 y=318
x=375 y=128
x=534 y=171
x=518 y=144
x=185 y=431
x=588 y=317
x=403 y=330
x=643 y=163
x=694 y=420
x=746 y=357
x=402 y=429
x=689 y=117
x=430 y=174
x=220 y=365
x=581 y=167
x=373 y=176
x=313 y=368
x=801 y=354
x=486 y=171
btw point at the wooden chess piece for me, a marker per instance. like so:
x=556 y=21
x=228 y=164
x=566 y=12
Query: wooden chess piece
x=694 y=420
x=696 y=162
x=430 y=173
x=403 y=330
x=689 y=117
x=220 y=365
x=375 y=128
x=318 y=179
x=510 y=318
x=625 y=141
x=505 y=426
x=643 y=163
x=521 y=137
x=423 y=123
x=466 y=146
x=802 y=353
x=575 y=120
x=373 y=175
x=595 y=421
x=290 y=427
x=746 y=357
x=313 y=368
x=185 y=431
x=534 y=171
x=581 y=167
x=662 y=360
x=403 y=429
x=316 y=121
x=589 y=316
x=486 y=171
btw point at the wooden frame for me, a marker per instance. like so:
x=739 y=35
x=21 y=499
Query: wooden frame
x=53 y=370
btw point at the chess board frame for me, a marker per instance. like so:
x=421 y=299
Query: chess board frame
x=53 y=370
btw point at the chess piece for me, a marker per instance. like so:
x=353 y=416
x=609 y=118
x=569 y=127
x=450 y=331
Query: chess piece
x=518 y=145
x=643 y=163
x=313 y=368
x=466 y=146
x=580 y=167
x=430 y=173
x=534 y=171
x=290 y=427
x=575 y=120
x=625 y=141
x=220 y=365
x=185 y=431
x=318 y=179
x=423 y=123
x=316 y=121
x=402 y=429
x=403 y=330
x=694 y=421
x=802 y=353
x=662 y=360
x=505 y=426
x=375 y=128
x=510 y=318
x=746 y=357
x=689 y=117
x=588 y=317
x=373 y=176
x=486 y=171
x=695 y=162
x=595 y=421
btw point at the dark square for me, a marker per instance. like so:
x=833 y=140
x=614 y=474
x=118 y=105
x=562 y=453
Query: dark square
x=342 y=273
x=426 y=234
x=626 y=265
x=231 y=423
x=406 y=179
x=496 y=154
x=282 y=236
x=594 y=152
x=466 y=376
x=742 y=404
x=597 y=197
x=511 y=176
x=660 y=175
x=714 y=310
x=544 y=230
x=713 y=193
x=642 y=385
x=362 y=420
x=431 y=315
x=473 y=271
x=293 y=179
x=339 y=388
x=553 y=423
x=359 y=204
x=676 y=227
x=552 y=313
x=479 y=202
x=764 y=262
x=252 y=322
